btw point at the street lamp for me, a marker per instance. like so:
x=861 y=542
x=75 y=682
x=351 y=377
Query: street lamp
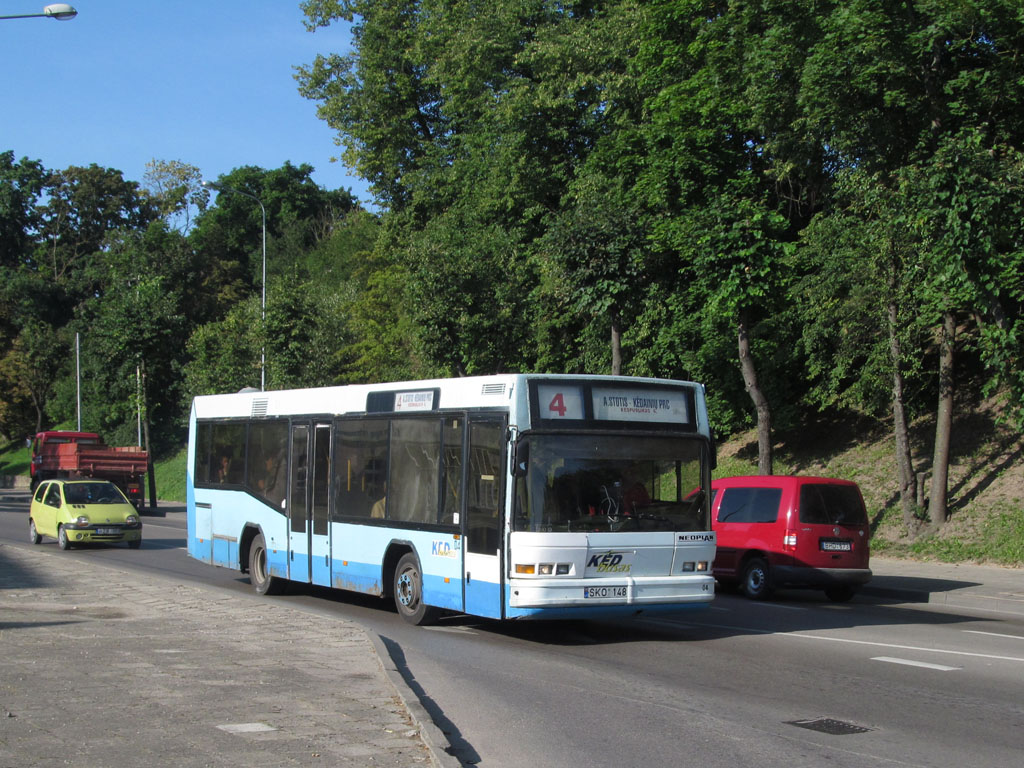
x=217 y=187
x=59 y=11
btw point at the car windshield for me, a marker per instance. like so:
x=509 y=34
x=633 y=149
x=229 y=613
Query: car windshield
x=609 y=483
x=91 y=493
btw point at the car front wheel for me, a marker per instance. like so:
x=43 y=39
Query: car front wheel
x=33 y=534
x=62 y=538
x=756 y=585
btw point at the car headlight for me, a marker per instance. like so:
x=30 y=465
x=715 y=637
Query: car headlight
x=82 y=520
x=132 y=519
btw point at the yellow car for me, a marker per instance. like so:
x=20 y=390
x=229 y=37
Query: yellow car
x=83 y=512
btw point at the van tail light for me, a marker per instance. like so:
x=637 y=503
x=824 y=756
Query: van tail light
x=789 y=541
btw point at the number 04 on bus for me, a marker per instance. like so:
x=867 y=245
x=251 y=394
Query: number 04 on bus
x=507 y=497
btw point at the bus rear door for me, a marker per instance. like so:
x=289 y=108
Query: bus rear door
x=320 y=540
x=298 y=505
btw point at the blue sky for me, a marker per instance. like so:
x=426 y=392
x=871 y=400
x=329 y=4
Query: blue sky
x=206 y=82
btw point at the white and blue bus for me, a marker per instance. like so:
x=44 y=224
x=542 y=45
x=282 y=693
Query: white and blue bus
x=507 y=496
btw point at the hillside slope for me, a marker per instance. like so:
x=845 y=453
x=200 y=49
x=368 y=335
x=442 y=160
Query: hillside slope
x=986 y=481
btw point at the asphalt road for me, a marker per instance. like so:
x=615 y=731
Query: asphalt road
x=797 y=681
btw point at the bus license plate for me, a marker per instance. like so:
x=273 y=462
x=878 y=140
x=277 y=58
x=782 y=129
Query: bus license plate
x=604 y=591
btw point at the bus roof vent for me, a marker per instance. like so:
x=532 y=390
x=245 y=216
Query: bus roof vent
x=493 y=389
x=259 y=407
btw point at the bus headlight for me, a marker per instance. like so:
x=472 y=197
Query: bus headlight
x=543 y=569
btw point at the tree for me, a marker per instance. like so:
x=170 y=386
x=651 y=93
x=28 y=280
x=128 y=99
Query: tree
x=176 y=191
x=21 y=185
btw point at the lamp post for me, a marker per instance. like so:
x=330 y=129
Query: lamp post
x=59 y=11
x=263 y=301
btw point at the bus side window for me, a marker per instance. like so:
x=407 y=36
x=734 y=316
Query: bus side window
x=360 y=463
x=451 y=505
x=413 y=487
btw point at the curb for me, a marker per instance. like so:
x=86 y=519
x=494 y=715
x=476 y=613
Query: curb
x=436 y=741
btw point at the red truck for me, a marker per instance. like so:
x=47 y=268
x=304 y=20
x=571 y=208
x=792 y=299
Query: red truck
x=84 y=454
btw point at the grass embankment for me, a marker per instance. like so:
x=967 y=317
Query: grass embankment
x=169 y=472
x=986 y=482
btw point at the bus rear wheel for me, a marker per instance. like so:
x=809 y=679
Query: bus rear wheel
x=259 y=572
x=409 y=592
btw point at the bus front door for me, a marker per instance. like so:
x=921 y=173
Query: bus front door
x=482 y=580
x=320 y=483
x=298 y=504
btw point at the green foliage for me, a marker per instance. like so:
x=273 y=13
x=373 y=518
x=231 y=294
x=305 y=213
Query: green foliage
x=827 y=179
x=15 y=459
x=169 y=472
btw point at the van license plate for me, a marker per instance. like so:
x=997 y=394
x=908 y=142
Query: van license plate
x=836 y=546
x=604 y=591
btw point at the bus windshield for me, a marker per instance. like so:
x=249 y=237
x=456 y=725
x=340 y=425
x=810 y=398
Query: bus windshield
x=609 y=483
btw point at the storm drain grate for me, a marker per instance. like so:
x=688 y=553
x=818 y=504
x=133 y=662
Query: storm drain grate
x=829 y=726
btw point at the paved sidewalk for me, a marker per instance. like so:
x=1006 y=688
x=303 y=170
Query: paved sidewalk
x=978 y=587
x=109 y=669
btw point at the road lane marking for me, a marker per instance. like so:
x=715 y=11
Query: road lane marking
x=909 y=663
x=992 y=634
x=804 y=635
x=908 y=647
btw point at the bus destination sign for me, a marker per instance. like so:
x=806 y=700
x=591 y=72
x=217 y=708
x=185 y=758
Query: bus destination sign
x=626 y=404
x=560 y=401
x=414 y=401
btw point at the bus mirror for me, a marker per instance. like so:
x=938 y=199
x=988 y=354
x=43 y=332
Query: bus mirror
x=521 y=459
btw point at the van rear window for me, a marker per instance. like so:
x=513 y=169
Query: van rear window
x=831 y=505
x=749 y=505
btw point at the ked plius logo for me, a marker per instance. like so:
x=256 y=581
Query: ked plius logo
x=609 y=562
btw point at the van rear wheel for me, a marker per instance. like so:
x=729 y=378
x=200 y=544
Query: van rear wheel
x=840 y=594
x=756 y=584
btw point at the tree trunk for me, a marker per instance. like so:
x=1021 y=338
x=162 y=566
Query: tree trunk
x=937 y=508
x=764 y=412
x=904 y=463
x=616 y=346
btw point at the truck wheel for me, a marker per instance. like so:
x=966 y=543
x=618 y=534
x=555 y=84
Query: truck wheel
x=755 y=580
x=409 y=592
x=259 y=573
x=33 y=534
x=62 y=538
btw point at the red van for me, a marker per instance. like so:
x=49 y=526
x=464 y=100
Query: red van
x=788 y=531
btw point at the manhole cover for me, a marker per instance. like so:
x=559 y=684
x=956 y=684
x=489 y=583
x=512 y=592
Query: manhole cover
x=829 y=726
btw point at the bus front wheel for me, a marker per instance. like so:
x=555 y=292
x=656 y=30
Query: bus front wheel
x=259 y=572
x=409 y=592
